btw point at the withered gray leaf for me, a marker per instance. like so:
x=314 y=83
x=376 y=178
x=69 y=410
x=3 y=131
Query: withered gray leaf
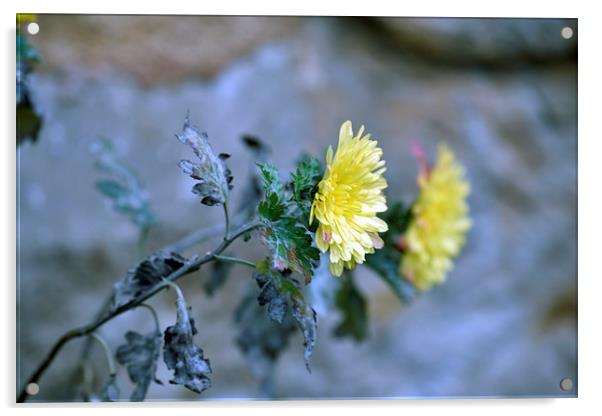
x=126 y=191
x=281 y=293
x=140 y=354
x=181 y=355
x=146 y=275
x=271 y=295
x=213 y=176
x=110 y=391
x=306 y=319
x=261 y=340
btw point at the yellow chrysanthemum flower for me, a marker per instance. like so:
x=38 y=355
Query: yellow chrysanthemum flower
x=439 y=224
x=348 y=199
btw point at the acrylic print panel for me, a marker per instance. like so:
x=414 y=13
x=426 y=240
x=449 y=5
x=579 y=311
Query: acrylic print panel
x=290 y=252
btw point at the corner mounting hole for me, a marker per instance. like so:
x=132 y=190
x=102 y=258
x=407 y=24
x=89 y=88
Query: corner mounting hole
x=32 y=389
x=566 y=384
x=566 y=32
x=33 y=28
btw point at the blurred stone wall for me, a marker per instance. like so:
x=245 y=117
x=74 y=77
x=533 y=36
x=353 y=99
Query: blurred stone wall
x=501 y=92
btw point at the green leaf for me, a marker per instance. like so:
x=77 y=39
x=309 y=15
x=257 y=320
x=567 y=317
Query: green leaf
x=213 y=176
x=385 y=262
x=272 y=184
x=288 y=239
x=353 y=308
x=252 y=192
x=305 y=183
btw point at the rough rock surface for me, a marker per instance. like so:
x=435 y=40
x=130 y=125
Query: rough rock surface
x=504 y=324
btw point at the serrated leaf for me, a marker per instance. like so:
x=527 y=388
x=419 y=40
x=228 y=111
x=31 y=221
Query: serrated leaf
x=252 y=192
x=289 y=240
x=282 y=295
x=305 y=182
x=261 y=339
x=385 y=262
x=213 y=176
x=352 y=305
x=146 y=275
x=140 y=354
x=110 y=391
x=127 y=193
x=182 y=355
x=270 y=294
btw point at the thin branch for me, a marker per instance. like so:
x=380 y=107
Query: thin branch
x=227 y=220
x=190 y=266
x=236 y=260
x=155 y=316
x=192 y=239
x=174 y=287
x=107 y=352
x=201 y=235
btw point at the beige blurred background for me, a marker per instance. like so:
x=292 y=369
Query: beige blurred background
x=501 y=92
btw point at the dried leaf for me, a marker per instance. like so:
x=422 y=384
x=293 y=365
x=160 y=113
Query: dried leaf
x=282 y=294
x=110 y=391
x=182 y=356
x=140 y=354
x=146 y=275
x=124 y=189
x=270 y=295
x=261 y=340
x=307 y=321
x=213 y=176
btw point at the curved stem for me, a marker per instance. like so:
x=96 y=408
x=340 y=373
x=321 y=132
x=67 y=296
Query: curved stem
x=155 y=316
x=190 y=266
x=236 y=260
x=227 y=220
x=107 y=351
x=174 y=287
